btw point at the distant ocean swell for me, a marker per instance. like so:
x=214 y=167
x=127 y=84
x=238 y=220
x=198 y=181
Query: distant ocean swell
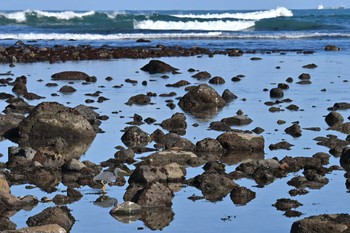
x=279 y=23
x=128 y=21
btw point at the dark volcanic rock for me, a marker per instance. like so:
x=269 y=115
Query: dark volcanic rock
x=209 y=145
x=334 y=118
x=335 y=223
x=202 y=98
x=176 y=124
x=70 y=75
x=202 y=75
x=140 y=99
x=286 y=204
x=241 y=195
x=51 y=122
x=281 y=145
x=228 y=96
x=331 y=48
x=294 y=130
x=213 y=185
x=67 y=89
x=156 y=66
x=238 y=120
x=134 y=136
x=153 y=195
x=53 y=215
x=276 y=92
x=6 y=224
x=345 y=159
x=217 y=80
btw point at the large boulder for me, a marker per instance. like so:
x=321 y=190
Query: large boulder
x=235 y=141
x=156 y=66
x=51 y=124
x=202 y=99
x=325 y=223
x=50 y=228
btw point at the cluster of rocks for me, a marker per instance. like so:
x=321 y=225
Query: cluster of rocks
x=51 y=138
x=23 y=53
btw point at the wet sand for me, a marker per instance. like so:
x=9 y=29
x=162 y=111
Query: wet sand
x=203 y=216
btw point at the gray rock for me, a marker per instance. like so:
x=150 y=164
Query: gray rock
x=26 y=152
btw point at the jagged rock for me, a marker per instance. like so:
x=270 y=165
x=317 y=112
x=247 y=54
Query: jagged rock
x=294 y=130
x=135 y=137
x=53 y=215
x=228 y=96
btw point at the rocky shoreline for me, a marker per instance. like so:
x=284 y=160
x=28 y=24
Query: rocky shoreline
x=51 y=137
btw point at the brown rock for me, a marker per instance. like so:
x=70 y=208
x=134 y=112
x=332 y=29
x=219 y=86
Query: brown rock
x=233 y=141
x=335 y=223
x=53 y=215
x=156 y=66
x=70 y=75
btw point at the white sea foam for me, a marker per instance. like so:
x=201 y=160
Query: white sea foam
x=21 y=16
x=221 y=25
x=64 y=15
x=135 y=36
x=256 y=15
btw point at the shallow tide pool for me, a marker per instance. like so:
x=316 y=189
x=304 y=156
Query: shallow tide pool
x=332 y=74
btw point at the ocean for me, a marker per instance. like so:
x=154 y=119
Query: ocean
x=278 y=28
